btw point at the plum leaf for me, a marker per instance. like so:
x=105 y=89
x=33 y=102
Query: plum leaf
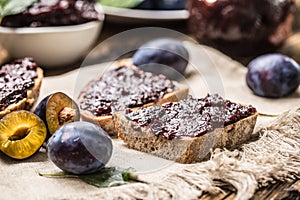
x=120 y=3
x=11 y=7
x=107 y=177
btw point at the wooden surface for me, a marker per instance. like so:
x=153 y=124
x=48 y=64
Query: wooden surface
x=280 y=190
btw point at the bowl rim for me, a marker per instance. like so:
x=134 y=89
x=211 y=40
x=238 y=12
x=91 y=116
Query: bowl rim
x=50 y=29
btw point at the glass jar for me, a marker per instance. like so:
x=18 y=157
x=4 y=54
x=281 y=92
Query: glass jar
x=241 y=28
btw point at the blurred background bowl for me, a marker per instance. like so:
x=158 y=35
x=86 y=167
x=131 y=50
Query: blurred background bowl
x=51 y=47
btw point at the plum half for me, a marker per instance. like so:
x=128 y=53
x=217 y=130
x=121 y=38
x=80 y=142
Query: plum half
x=56 y=110
x=80 y=148
x=22 y=133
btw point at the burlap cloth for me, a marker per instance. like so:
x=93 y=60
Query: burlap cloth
x=214 y=73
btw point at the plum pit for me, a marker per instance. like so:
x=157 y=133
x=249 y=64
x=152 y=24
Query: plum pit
x=20 y=134
x=66 y=115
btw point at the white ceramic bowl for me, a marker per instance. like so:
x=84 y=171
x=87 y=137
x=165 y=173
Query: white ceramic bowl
x=51 y=47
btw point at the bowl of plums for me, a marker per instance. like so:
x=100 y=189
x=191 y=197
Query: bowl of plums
x=56 y=33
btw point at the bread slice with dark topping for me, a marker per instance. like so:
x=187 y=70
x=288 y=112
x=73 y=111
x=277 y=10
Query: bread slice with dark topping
x=186 y=131
x=123 y=87
x=21 y=81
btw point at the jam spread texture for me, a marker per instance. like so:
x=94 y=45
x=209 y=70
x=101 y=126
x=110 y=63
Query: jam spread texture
x=15 y=79
x=241 y=27
x=46 y=13
x=189 y=117
x=122 y=88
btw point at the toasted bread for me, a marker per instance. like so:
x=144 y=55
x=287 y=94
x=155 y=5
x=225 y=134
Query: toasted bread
x=183 y=149
x=32 y=96
x=107 y=122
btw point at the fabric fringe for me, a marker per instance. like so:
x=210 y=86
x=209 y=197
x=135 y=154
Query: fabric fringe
x=274 y=156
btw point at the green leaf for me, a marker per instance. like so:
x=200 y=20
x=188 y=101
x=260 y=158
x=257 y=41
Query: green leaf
x=107 y=177
x=11 y=7
x=121 y=3
x=298 y=110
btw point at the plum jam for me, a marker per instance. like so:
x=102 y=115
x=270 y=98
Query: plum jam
x=122 y=88
x=241 y=27
x=53 y=13
x=15 y=80
x=190 y=117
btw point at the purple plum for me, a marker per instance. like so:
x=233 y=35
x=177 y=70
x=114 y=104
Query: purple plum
x=273 y=75
x=80 y=148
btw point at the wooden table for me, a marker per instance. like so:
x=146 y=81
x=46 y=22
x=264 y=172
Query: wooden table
x=280 y=190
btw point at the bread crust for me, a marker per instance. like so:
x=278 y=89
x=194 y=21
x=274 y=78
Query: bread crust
x=187 y=149
x=32 y=96
x=107 y=122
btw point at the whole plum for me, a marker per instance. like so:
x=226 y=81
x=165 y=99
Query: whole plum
x=146 y=4
x=170 y=4
x=79 y=148
x=273 y=75
x=165 y=56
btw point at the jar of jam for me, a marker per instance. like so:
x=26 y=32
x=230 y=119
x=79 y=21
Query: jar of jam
x=241 y=28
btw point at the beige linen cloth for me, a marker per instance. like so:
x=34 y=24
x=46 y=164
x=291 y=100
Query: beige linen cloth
x=209 y=71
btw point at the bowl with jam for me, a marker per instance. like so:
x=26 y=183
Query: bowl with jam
x=55 y=33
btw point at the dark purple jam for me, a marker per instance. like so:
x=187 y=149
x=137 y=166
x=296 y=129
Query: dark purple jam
x=241 y=27
x=53 y=13
x=124 y=88
x=190 y=117
x=15 y=80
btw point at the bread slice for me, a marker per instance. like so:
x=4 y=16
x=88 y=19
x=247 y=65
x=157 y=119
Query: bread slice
x=32 y=96
x=184 y=149
x=107 y=122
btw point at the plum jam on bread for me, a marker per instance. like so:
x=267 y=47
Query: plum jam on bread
x=20 y=83
x=187 y=130
x=125 y=87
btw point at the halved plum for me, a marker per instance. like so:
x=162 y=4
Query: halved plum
x=22 y=133
x=56 y=110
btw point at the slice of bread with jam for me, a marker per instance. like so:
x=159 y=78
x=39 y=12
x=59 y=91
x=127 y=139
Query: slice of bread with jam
x=125 y=86
x=186 y=131
x=20 y=83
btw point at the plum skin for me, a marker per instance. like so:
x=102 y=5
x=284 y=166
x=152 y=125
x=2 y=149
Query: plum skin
x=162 y=51
x=171 y=4
x=146 y=4
x=79 y=148
x=40 y=111
x=273 y=75
x=162 y=4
